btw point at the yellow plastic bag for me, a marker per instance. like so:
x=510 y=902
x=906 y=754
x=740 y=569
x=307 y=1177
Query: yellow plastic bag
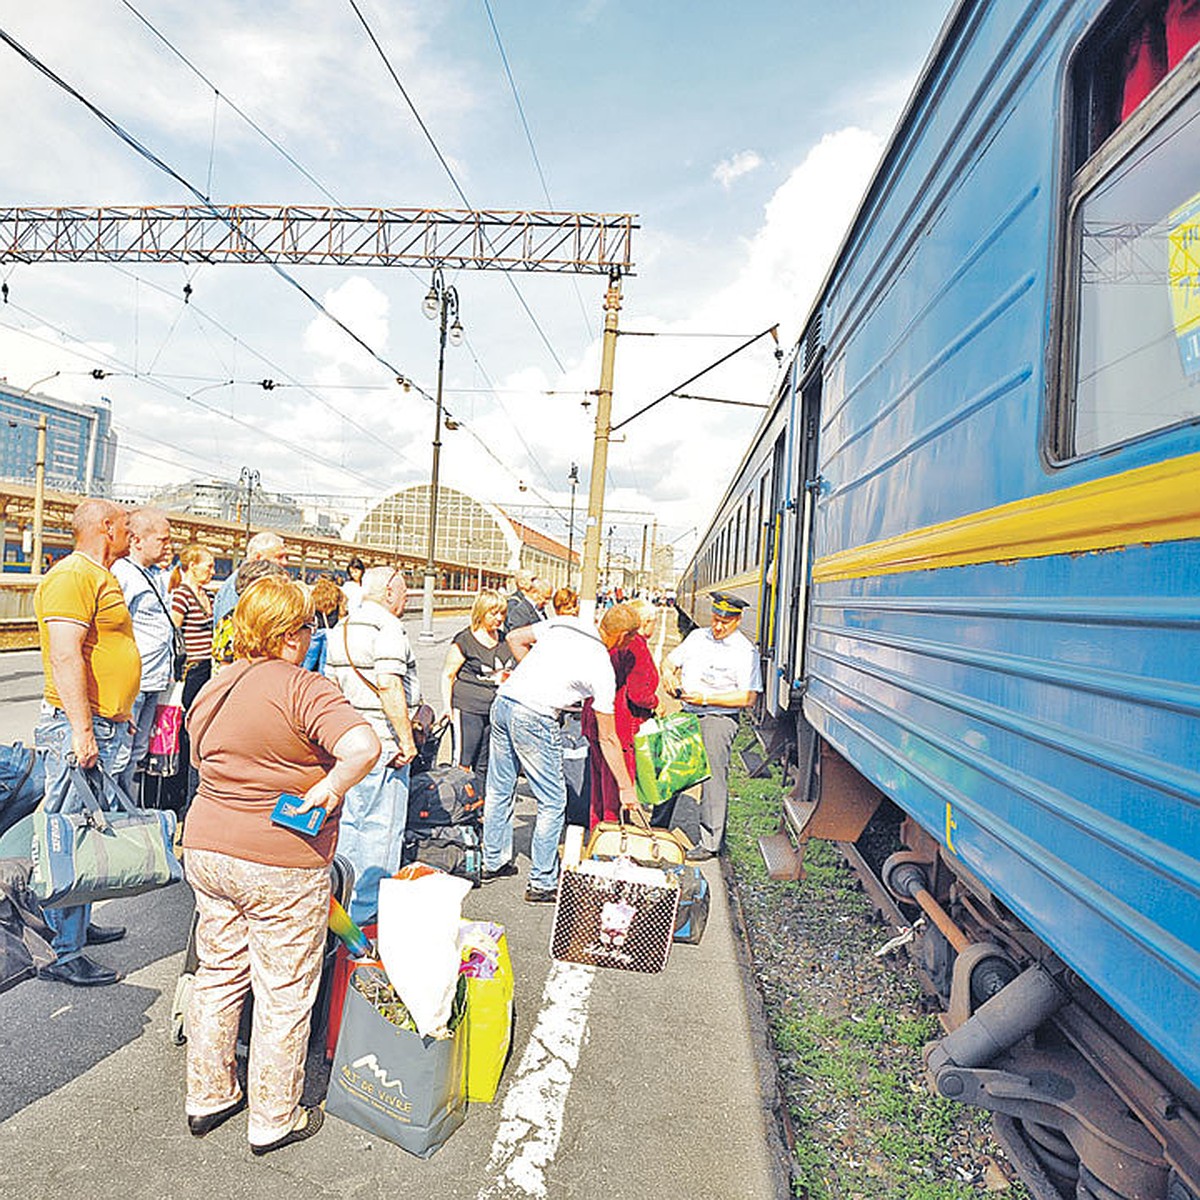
x=489 y=1026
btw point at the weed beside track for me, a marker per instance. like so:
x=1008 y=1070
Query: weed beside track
x=848 y=1029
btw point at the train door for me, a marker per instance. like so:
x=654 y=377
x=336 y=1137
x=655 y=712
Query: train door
x=807 y=428
x=772 y=536
x=777 y=676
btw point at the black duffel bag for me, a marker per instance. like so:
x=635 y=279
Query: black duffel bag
x=444 y=796
x=24 y=935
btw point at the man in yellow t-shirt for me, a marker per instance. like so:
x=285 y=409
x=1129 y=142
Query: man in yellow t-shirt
x=93 y=671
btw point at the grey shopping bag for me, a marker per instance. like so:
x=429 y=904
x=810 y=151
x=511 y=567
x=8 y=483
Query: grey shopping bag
x=409 y=1089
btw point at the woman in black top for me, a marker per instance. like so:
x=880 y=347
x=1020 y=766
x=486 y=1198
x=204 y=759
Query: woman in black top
x=477 y=662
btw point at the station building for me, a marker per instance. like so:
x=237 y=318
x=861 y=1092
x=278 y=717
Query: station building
x=485 y=544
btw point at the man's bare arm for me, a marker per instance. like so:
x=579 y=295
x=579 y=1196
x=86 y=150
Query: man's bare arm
x=69 y=675
x=395 y=708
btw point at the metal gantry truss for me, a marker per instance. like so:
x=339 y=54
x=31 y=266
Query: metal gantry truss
x=322 y=235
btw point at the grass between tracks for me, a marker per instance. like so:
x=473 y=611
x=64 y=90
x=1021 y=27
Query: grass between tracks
x=848 y=1031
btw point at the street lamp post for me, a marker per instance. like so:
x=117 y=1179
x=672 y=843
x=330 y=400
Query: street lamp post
x=442 y=302
x=573 y=476
x=251 y=479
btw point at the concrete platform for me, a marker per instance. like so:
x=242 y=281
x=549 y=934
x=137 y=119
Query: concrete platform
x=620 y=1086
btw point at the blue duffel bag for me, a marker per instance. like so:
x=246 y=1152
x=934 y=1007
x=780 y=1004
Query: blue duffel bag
x=692 y=914
x=22 y=781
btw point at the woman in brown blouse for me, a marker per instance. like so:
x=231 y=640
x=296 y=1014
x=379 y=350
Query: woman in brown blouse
x=262 y=728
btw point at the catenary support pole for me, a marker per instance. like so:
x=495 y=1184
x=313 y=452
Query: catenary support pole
x=591 y=541
x=39 y=497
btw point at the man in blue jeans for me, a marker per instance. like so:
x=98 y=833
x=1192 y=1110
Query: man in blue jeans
x=92 y=674
x=368 y=655
x=563 y=662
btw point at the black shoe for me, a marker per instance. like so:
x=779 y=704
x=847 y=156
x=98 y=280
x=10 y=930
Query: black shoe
x=509 y=868
x=98 y=935
x=700 y=854
x=536 y=895
x=314 y=1118
x=199 y=1126
x=79 y=972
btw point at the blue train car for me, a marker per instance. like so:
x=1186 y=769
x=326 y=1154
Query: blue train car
x=978 y=577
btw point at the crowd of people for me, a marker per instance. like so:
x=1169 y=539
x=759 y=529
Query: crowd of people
x=310 y=693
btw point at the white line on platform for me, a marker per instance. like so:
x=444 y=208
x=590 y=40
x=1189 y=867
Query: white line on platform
x=531 y=1120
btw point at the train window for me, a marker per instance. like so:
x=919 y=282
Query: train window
x=1135 y=229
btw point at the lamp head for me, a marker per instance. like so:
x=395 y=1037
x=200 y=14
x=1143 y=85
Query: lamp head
x=431 y=302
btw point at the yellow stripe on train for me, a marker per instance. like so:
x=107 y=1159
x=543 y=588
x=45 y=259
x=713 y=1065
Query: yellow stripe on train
x=1159 y=503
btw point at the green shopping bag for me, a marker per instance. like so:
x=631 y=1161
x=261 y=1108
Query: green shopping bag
x=669 y=756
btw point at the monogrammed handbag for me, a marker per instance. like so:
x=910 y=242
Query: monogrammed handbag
x=615 y=914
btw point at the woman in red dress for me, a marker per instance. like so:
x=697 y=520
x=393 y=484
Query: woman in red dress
x=637 y=698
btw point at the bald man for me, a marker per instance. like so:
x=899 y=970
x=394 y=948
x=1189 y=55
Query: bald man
x=143 y=577
x=265 y=547
x=93 y=671
x=522 y=604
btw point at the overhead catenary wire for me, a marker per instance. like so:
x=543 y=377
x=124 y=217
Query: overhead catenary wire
x=309 y=176
x=537 y=162
x=170 y=171
x=225 y=99
x=453 y=178
x=192 y=399
x=161 y=165
x=773 y=330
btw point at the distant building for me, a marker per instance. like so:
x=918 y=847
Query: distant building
x=483 y=540
x=227 y=502
x=81 y=448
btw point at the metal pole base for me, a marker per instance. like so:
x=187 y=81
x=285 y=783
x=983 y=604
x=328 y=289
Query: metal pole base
x=426 y=634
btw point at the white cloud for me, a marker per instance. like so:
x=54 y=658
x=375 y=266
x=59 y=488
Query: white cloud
x=742 y=163
x=359 y=305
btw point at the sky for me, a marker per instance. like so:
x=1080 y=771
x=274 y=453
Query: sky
x=742 y=137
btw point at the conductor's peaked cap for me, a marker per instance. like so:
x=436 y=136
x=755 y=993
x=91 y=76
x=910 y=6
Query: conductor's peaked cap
x=728 y=605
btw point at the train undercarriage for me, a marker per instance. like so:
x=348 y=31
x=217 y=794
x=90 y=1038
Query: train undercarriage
x=1085 y=1108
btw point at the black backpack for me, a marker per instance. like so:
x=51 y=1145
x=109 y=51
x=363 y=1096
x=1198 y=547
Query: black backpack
x=444 y=796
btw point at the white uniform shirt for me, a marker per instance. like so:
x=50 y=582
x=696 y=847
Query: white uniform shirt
x=145 y=591
x=567 y=664
x=378 y=645
x=708 y=665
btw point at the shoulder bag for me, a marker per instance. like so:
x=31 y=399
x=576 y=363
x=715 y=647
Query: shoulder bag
x=178 y=644
x=90 y=842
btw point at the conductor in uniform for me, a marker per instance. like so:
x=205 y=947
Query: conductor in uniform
x=716 y=673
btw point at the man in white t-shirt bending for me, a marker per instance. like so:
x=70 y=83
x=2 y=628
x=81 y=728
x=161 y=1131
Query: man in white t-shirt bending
x=567 y=663
x=715 y=672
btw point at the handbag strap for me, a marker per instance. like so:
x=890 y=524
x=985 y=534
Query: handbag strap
x=198 y=737
x=157 y=594
x=353 y=664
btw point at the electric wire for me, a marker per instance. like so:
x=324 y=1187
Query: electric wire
x=537 y=162
x=259 y=130
x=453 y=178
x=245 y=116
x=191 y=398
x=152 y=158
